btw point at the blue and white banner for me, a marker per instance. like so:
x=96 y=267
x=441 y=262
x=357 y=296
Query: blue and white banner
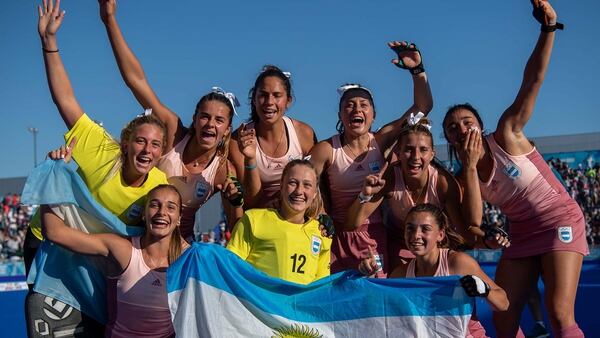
x=59 y=273
x=213 y=293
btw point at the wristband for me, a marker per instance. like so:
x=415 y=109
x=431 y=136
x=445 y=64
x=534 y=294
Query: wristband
x=417 y=70
x=362 y=198
x=49 y=51
x=552 y=27
x=250 y=166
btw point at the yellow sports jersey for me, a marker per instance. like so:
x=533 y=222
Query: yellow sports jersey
x=293 y=252
x=96 y=153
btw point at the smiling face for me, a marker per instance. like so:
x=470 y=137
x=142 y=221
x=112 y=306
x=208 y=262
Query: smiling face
x=415 y=152
x=271 y=100
x=142 y=150
x=162 y=212
x=298 y=190
x=356 y=112
x=458 y=123
x=212 y=123
x=422 y=233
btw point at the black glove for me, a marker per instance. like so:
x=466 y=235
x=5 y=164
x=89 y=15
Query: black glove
x=327 y=224
x=238 y=200
x=475 y=286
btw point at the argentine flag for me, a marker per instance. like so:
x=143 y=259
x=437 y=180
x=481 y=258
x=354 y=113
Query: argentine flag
x=213 y=293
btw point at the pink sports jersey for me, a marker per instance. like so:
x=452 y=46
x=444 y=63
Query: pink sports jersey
x=400 y=203
x=195 y=189
x=475 y=329
x=271 y=169
x=346 y=178
x=542 y=216
x=141 y=308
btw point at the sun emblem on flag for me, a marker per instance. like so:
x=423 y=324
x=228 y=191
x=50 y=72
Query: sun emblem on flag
x=296 y=331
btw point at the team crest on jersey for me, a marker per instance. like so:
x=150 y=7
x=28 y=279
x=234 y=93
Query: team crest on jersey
x=565 y=234
x=315 y=245
x=511 y=170
x=374 y=166
x=201 y=189
x=134 y=212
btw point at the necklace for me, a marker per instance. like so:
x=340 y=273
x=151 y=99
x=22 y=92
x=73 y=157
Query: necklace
x=347 y=145
x=423 y=188
x=271 y=159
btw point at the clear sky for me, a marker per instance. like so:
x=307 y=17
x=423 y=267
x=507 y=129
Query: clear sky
x=473 y=51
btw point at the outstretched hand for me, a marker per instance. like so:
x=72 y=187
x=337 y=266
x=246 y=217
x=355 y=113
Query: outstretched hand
x=108 y=8
x=50 y=18
x=408 y=55
x=543 y=12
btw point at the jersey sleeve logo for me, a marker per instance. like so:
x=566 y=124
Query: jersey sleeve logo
x=511 y=170
x=201 y=189
x=374 y=166
x=315 y=245
x=565 y=234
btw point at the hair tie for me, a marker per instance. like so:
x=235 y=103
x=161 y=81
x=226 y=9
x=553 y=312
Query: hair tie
x=414 y=119
x=229 y=96
x=344 y=88
x=147 y=112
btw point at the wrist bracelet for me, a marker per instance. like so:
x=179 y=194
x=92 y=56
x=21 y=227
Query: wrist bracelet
x=417 y=70
x=49 y=51
x=250 y=166
x=552 y=27
x=362 y=198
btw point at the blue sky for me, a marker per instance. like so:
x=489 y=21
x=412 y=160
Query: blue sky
x=474 y=51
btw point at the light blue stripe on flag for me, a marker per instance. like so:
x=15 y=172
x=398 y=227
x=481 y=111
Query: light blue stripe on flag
x=213 y=292
x=59 y=273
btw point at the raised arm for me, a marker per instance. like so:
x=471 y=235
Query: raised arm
x=509 y=132
x=373 y=191
x=242 y=153
x=105 y=245
x=50 y=19
x=134 y=76
x=409 y=57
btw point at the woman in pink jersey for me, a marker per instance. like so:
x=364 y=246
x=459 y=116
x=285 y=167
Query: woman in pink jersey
x=195 y=159
x=136 y=267
x=345 y=159
x=412 y=179
x=434 y=244
x=269 y=140
x=547 y=227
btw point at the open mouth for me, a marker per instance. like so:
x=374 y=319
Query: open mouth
x=296 y=199
x=415 y=168
x=357 y=121
x=159 y=223
x=269 y=113
x=144 y=160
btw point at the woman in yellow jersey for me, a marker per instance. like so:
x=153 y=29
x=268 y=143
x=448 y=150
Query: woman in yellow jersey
x=118 y=174
x=286 y=242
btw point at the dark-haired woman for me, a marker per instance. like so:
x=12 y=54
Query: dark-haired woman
x=345 y=159
x=269 y=140
x=547 y=227
x=195 y=159
x=434 y=244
